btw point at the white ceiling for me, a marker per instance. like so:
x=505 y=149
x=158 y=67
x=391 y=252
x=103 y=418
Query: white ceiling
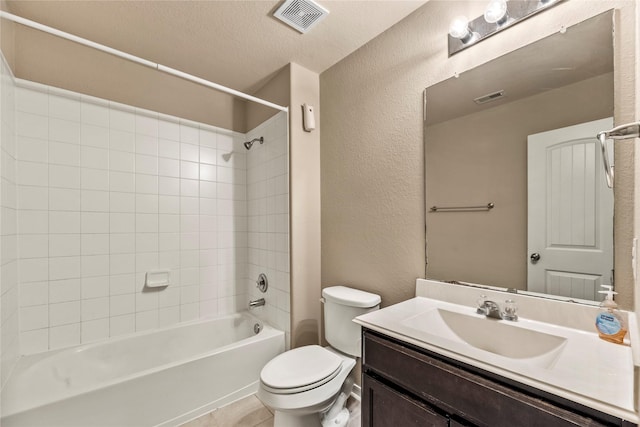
x=236 y=43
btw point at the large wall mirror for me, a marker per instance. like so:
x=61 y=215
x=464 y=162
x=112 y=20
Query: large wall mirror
x=519 y=132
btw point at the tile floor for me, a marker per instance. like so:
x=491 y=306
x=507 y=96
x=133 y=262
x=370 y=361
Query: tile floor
x=250 y=412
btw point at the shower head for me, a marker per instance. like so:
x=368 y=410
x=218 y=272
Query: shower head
x=248 y=144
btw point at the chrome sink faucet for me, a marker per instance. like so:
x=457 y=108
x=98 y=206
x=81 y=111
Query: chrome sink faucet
x=491 y=309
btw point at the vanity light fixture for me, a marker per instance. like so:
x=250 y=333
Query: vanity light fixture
x=498 y=15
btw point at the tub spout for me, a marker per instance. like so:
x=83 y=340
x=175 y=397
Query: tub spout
x=256 y=303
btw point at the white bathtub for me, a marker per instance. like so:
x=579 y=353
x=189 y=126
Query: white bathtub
x=159 y=378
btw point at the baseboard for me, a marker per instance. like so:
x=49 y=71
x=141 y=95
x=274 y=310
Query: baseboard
x=356 y=392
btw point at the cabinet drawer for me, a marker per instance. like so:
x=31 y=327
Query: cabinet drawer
x=459 y=392
x=388 y=407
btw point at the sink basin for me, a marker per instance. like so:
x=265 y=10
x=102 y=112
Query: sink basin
x=491 y=335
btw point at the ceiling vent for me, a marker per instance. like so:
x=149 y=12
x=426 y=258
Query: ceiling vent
x=489 y=97
x=301 y=14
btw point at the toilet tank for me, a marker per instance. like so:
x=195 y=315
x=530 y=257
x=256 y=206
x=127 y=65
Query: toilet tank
x=341 y=306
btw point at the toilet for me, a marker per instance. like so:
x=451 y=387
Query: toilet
x=308 y=386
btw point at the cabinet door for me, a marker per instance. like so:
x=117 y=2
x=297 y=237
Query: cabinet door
x=383 y=406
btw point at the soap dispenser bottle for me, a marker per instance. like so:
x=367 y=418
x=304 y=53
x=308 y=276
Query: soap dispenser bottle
x=609 y=322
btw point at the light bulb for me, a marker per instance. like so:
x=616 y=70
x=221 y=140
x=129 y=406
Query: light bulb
x=459 y=27
x=496 y=10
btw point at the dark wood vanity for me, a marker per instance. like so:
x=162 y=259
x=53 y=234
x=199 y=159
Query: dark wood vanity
x=404 y=385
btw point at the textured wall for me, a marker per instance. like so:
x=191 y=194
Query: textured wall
x=373 y=234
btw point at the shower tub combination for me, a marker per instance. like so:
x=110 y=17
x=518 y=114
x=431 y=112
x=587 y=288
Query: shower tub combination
x=160 y=378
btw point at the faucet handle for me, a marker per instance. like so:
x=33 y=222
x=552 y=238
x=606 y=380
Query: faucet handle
x=480 y=307
x=510 y=310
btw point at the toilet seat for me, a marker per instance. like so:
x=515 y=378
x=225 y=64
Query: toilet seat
x=300 y=369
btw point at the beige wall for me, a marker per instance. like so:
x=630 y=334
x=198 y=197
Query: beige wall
x=305 y=209
x=46 y=59
x=491 y=165
x=372 y=141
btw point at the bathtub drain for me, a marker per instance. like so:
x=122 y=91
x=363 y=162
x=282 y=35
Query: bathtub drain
x=257 y=328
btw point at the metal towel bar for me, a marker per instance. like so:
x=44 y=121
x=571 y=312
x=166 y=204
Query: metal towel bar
x=486 y=207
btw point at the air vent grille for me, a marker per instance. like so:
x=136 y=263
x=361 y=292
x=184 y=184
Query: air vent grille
x=301 y=14
x=489 y=97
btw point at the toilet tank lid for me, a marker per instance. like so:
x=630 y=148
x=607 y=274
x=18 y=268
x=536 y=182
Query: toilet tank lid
x=351 y=297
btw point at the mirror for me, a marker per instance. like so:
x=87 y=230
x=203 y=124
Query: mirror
x=527 y=145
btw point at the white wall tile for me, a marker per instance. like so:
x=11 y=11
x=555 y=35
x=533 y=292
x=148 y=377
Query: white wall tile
x=146 y=184
x=122 y=120
x=64 y=313
x=122 y=182
x=168 y=167
x=33 y=270
x=95 y=330
x=94 y=157
x=122 y=304
x=64 y=176
x=31 y=101
x=189 y=170
x=122 y=222
x=30 y=173
x=61 y=199
x=34 y=317
x=32 y=149
x=189 y=134
x=64 y=267
x=32 y=125
x=95 y=244
x=94 y=201
x=95 y=308
x=146 y=164
x=62 y=153
x=64 y=108
x=64 y=336
x=95 y=287
x=124 y=193
x=146 y=125
x=94 y=114
x=122 y=202
x=95 y=222
x=120 y=284
x=122 y=243
x=36 y=293
x=122 y=141
x=33 y=246
x=35 y=341
x=168 y=148
x=96 y=136
x=64 y=290
x=169 y=130
x=121 y=161
x=33 y=198
x=94 y=179
x=122 y=325
x=64 y=131
x=95 y=265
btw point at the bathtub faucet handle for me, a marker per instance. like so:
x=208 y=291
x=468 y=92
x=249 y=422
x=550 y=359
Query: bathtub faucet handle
x=262 y=283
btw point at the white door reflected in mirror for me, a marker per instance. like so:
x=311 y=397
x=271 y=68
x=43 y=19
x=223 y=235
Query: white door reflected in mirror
x=570 y=212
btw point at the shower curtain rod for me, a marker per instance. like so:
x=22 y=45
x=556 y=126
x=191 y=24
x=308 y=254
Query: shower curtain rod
x=137 y=59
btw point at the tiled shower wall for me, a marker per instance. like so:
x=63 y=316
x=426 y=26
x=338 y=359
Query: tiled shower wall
x=268 y=220
x=9 y=349
x=107 y=193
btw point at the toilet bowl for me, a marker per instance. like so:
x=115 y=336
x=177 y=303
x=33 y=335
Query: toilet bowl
x=302 y=385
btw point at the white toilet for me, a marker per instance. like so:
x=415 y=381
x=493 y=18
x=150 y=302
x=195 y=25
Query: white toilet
x=302 y=385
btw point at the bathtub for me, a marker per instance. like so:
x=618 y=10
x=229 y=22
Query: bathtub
x=159 y=378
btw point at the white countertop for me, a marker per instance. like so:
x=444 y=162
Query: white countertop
x=587 y=370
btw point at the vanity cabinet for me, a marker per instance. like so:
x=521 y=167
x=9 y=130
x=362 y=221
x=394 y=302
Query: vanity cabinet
x=403 y=385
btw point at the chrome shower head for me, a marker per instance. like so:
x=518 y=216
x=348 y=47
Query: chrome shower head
x=248 y=144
